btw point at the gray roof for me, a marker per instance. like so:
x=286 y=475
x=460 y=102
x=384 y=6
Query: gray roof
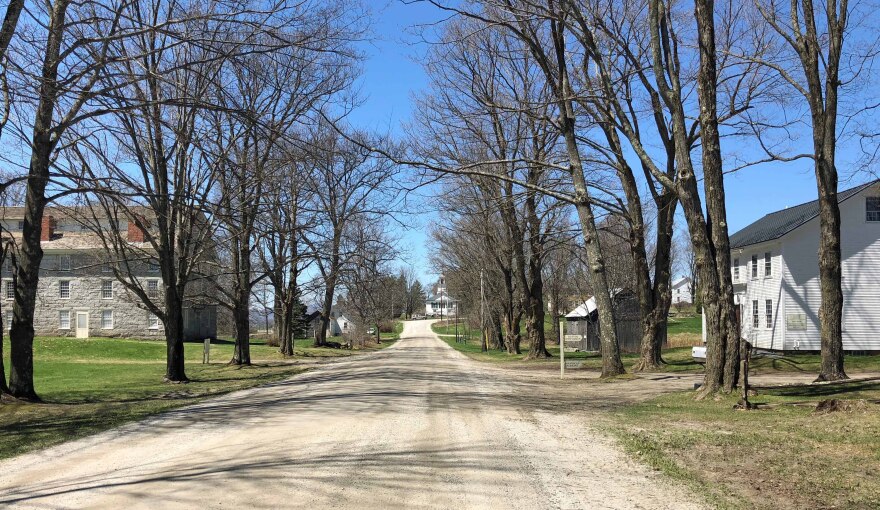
x=777 y=224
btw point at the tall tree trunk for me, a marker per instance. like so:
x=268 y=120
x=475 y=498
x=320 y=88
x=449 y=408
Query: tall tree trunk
x=496 y=337
x=4 y=388
x=535 y=291
x=175 y=369
x=713 y=184
x=611 y=363
x=277 y=312
x=535 y=317
x=512 y=336
x=824 y=120
x=326 y=310
x=286 y=345
x=830 y=273
x=241 y=354
x=21 y=335
x=511 y=317
x=662 y=294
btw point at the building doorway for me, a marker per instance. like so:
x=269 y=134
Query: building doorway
x=82 y=324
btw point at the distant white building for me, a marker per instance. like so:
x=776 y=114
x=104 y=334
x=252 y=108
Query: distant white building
x=339 y=324
x=681 y=291
x=775 y=266
x=439 y=303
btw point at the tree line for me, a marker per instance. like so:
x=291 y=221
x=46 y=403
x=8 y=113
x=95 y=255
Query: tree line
x=213 y=129
x=624 y=114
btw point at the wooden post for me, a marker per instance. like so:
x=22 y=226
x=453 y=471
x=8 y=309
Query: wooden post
x=746 y=356
x=561 y=349
x=206 y=358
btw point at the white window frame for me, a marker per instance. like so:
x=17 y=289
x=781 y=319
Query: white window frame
x=9 y=287
x=872 y=216
x=755 y=266
x=736 y=270
x=61 y=314
x=61 y=285
x=20 y=224
x=768 y=264
x=104 y=289
x=152 y=267
x=756 y=317
x=106 y=268
x=61 y=259
x=103 y=325
x=768 y=312
x=151 y=319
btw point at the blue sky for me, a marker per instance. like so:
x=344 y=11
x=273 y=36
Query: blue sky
x=392 y=74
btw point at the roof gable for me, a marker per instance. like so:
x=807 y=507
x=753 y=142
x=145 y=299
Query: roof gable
x=777 y=224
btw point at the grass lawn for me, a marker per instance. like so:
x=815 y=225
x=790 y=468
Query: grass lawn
x=678 y=325
x=679 y=359
x=90 y=385
x=783 y=457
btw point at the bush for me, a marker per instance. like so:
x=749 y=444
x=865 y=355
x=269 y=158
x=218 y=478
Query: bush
x=386 y=327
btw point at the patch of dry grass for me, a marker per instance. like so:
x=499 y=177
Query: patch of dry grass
x=684 y=340
x=782 y=458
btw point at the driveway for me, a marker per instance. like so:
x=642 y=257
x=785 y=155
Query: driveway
x=417 y=425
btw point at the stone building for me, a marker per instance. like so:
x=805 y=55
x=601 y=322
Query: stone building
x=78 y=292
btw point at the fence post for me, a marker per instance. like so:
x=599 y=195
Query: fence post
x=206 y=358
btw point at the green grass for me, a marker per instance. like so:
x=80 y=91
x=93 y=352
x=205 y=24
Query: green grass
x=678 y=359
x=389 y=338
x=677 y=325
x=90 y=385
x=781 y=456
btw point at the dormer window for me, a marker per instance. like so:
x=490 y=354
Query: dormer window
x=872 y=209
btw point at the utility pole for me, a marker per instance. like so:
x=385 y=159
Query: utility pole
x=484 y=344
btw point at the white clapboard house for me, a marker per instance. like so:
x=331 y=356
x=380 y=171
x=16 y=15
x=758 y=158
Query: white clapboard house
x=775 y=265
x=681 y=291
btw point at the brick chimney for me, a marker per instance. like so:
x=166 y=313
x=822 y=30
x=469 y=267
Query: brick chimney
x=47 y=227
x=135 y=233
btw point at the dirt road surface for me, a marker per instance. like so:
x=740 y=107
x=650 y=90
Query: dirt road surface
x=417 y=425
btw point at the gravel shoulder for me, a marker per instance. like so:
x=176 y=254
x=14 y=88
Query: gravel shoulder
x=416 y=425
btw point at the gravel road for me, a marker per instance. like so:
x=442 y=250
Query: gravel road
x=417 y=425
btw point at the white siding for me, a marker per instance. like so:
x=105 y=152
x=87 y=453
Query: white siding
x=681 y=291
x=860 y=250
x=762 y=288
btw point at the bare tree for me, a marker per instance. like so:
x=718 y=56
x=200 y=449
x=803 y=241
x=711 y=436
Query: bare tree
x=367 y=277
x=647 y=62
x=158 y=125
x=61 y=61
x=345 y=182
x=263 y=97
x=283 y=253
x=804 y=45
